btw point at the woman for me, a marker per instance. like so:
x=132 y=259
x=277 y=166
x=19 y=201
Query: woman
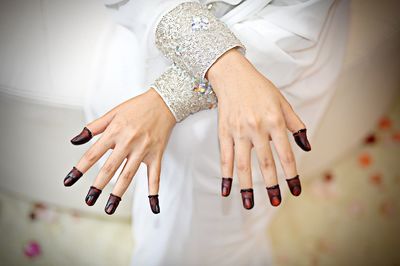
x=296 y=46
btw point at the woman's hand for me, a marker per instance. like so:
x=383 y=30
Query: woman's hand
x=252 y=111
x=137 y=130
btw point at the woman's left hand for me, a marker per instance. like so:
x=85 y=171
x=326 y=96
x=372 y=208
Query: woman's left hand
x=136 y=130
x=252 y=111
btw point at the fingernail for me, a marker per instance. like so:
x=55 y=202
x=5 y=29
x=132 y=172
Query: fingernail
x=92 y=195
x=226 y=186
x=247 y=198
x=112 y=204
x=72 y=177
x=82 y=137
x=274 y=194
x=301 y=139
x=294 y=185
x=154 y=204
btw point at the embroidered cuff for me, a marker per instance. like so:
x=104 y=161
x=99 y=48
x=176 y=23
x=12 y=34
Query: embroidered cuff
x=183 y=94
x=193 y=38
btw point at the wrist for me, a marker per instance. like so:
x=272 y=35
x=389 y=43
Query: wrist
x=178 y=91
x=161 y=105
x=230 y=64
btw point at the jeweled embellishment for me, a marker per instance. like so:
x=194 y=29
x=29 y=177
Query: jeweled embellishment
x=202 y=86
x=179 y=50
x=200 y=23
x=175 y=87
x=202 y=36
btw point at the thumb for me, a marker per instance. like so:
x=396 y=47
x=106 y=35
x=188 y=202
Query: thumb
x=295 y=125
x=93 y=128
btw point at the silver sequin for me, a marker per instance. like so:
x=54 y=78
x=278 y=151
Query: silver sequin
x=201 y=37
x=177 y=88
x=193 y=39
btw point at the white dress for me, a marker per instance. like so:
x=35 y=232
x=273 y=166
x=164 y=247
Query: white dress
x=299 y=45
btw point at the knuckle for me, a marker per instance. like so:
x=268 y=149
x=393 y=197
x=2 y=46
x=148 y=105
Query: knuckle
x=225 y=162
x=128 y=141
x=126 y=176
x=108 y=168
x=275 y=121
x=91 y=155
x=147 y=140
x=243 y=166
x=114 y=130
x=288 y=158
x=253 y=122
x=266 y=163
x=117 y=126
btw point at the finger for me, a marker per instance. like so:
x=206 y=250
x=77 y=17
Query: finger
x=294 y=185
x=153 y=173
x=243 y=166
x=227 y=157
x=125 y=178
x=300 y=137
x=95 y=152
x=94 y=128
x=286 y=156
x=295 y=125
x=82 y=137
x=112 y=203
x=106 y=173
x=92 y=195
x=268 y=170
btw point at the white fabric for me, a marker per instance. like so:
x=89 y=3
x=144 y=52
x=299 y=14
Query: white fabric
x=299 y=45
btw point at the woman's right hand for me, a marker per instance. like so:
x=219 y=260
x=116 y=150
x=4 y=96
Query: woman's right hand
x=136 y=130
x=251 y=112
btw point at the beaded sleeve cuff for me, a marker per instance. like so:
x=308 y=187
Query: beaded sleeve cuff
x=183 y=94
x=193 y=38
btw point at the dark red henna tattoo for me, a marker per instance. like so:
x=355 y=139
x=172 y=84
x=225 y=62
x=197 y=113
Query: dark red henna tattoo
x=72 y=177
x=274 y=194
x=294 y=185
x=83 y=137
x=112 y=204
x=154 y=204
x=247 y=198
x=226 y=186
x=92 y=195
x=301 y=139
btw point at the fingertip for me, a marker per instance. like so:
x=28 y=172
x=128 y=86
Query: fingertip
x=226 y=185
x=72 y=177
x=112 y=204
x=247 y=198
x=294 y=185
x=92 y=195
x=154 y=204
x=301 y=139
x=82 y=137
x=274 y=194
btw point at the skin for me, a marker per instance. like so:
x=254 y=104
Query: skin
x=252 y=112
x=136 y=130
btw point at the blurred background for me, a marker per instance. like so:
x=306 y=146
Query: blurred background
x=349 y=213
